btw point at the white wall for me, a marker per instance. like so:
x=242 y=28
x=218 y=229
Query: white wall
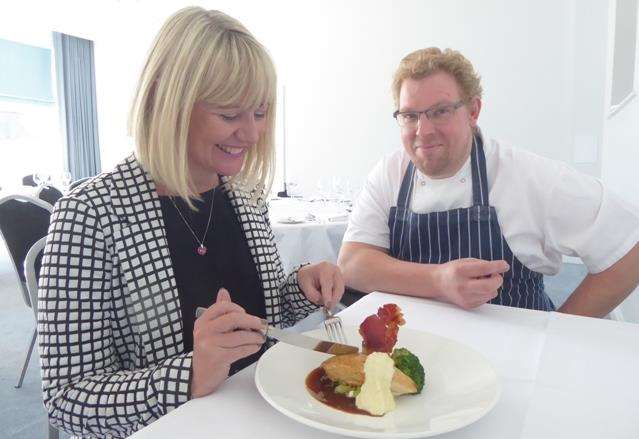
x=621 y=155
x=542 y=85
x=543 y=66
x=621 y=136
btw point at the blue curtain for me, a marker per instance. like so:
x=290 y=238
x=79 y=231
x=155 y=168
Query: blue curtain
x=75 y=72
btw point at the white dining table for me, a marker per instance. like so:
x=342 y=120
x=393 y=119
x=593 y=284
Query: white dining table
x=307 y=232
x=308 y=242
x=562 y=376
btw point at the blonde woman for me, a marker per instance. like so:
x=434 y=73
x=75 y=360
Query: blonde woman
x=179 y=225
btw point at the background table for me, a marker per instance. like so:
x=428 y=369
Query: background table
x=308 y=242
x=316 y=237
x=561 y=376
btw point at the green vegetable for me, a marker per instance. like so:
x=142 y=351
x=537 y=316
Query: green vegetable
x=408 y=363
x=347 y=390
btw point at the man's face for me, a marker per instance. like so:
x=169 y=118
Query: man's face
x=437 y=148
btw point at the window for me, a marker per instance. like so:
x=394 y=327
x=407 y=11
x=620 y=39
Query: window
x=26 y=72
x=29 y=121
x=624 y=56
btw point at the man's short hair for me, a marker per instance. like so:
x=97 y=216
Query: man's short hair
x=424 y=62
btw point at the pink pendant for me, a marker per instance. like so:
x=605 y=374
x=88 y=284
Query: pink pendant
x=201 y=250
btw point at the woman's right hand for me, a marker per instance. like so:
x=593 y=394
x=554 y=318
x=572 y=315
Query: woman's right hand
x=224 y=333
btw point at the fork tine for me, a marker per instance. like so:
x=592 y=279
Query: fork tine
x=333 y=327
x=342 y=333
x=329 y=330
x=334 y=335
x=334 y=332
x=337 y=331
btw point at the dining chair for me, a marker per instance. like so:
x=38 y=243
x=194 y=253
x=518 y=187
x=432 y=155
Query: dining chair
x=32 y=262
x=78 y=182
x=23 y=221
x=351 y=295
x=50 y=194
x=28 y=180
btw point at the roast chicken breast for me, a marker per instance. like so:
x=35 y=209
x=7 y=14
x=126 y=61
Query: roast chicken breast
x=349 y=369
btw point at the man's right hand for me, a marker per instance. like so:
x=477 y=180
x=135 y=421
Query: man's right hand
x=224 y=333
x=470 y=282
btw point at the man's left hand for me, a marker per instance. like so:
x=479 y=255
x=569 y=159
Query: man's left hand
x=321 y=283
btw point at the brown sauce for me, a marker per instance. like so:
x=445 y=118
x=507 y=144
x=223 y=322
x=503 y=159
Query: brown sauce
x=321 y=387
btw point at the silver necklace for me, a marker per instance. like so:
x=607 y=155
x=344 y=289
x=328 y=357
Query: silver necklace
x=201 y=248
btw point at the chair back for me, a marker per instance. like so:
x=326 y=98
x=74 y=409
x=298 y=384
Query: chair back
x=78 y=182
x=23 y=220
x=28 y=180
x=32 y=263
x=50 y=194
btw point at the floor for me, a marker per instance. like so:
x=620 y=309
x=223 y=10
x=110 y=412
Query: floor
x=22 y=414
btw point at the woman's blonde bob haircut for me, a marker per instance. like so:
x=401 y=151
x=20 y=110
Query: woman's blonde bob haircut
x=425 y=62
x=201 y=55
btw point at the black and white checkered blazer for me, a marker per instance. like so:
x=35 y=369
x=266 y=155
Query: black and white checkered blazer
x=109 y=323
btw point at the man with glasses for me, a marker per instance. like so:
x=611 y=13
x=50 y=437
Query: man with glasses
x=461 y=218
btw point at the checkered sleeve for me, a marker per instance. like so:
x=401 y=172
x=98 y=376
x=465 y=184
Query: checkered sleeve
x=293 y=294
x=87 y=389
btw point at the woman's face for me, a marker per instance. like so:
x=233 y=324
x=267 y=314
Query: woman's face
x=219 y=139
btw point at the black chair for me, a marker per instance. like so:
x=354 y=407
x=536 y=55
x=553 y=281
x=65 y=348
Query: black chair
x=32 y=263
x=50 y=194
x=23 y=221
x=351 y=296
x=28 y=180
x=78 y=182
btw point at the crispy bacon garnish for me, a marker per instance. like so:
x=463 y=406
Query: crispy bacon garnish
x=379 y=331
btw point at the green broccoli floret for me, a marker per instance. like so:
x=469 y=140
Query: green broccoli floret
x=408 y=363
x=347 y=390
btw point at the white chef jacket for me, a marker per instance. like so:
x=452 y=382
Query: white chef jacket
x=545 y=208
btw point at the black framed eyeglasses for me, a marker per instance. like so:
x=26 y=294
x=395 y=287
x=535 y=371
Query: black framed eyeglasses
x=438 y=114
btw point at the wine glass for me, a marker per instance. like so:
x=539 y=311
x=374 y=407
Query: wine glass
x=347 y=192
x=65 y=179
x=338 y=184
x=323 y=189
x=39 y=178
x=292 y=188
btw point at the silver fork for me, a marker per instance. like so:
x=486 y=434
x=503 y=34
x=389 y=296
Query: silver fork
x=333 y=327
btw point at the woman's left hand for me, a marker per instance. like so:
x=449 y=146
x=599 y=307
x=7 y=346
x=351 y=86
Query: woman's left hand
x=321 y=283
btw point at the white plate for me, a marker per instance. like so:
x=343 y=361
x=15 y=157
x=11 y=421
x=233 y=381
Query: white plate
x=291 y=220
x=461 y=387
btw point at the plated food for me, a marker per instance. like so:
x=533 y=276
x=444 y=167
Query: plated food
x=367 y=382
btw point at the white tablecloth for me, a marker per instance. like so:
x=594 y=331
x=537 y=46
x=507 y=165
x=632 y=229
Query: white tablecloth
x=309 y=242
x=317 y=237
x=562 y=377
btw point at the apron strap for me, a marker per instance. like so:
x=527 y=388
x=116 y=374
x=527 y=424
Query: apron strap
x=406 y=189
x=478 y=171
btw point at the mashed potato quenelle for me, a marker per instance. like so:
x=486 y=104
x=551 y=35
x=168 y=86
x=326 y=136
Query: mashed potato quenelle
x=375 y=394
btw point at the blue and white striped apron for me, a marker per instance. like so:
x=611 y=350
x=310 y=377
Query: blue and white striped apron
x=474 y=232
